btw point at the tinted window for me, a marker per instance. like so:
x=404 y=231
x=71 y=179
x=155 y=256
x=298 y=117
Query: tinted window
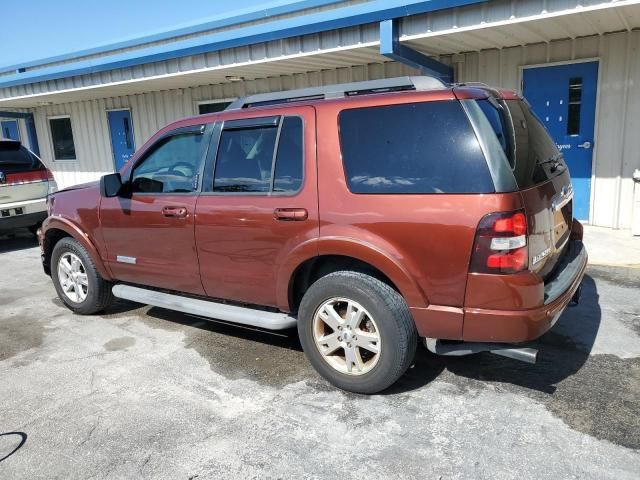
x=16 y=158
x=289 y=161
x=245 y=160
x=172 y=167
x=412 y=148
x=536 y=155
x=62 y=139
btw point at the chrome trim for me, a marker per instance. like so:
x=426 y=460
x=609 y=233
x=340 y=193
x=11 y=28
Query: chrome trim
x=124 y=259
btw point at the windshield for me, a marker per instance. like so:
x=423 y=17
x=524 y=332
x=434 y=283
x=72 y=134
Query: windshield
x=533 y=155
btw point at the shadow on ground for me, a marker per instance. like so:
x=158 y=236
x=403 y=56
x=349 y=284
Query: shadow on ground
x=18 y=241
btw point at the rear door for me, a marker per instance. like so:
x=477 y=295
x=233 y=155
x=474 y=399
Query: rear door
x=545 y=185
x=259 y=203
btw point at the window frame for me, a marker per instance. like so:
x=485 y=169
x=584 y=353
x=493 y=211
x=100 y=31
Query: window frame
x=203 y=129
x=51 y=143
x=246 y=123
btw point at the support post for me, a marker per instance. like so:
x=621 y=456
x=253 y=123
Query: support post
x=391 y=47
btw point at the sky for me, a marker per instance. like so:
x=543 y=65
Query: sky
x=34 y=29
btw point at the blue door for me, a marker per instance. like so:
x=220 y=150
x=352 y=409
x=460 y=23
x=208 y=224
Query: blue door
x=122 y=142
x=10 y=129
x=564 y=98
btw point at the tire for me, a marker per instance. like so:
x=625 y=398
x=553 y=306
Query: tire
x=93 y=294
x=384 y=314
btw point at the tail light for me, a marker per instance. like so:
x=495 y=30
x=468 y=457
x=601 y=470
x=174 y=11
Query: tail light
x=501 y=244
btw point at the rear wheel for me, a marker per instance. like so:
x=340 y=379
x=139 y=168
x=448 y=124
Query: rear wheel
x=356 y=331
x=76 y=279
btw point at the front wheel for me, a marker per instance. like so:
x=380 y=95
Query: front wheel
x=76 y=279
x=356 y=331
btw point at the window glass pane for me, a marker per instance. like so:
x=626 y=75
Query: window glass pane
x=289 y=161
x=62 y=138
x=575 y=106
x=173 y=167
x=536 y=152
x=425 y=147
x=15 y=158
x=212 y=107
x=245 y=158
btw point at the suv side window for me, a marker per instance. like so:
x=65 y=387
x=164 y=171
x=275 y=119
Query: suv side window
x=262 y=159
x=414 y=148
x=173 y=166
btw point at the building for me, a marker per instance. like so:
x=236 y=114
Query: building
x=577 y=61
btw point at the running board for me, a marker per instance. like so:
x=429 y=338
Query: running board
x=216 y=311
x=528 y=355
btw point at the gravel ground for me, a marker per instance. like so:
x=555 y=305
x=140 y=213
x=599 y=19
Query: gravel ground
x=141 y=392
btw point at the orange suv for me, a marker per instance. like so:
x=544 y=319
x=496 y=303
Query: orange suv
x=367 y=215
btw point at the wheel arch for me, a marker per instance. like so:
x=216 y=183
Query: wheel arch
x=55 y=229
x=348 y=254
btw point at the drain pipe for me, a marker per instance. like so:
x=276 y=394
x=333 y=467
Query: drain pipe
x=528 y=355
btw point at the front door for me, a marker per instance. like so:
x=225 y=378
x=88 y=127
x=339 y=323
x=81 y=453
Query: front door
x=149 y=230
x=10 y=129
x=122 y=142
x=260 y=205
x=564 y=98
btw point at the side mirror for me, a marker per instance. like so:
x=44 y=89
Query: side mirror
x=110 y=185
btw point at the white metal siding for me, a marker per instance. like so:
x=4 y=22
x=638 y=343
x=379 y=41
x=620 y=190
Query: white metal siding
x=617 y=143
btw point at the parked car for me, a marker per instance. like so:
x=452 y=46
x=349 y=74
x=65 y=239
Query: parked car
x=366 y=215
x=24 y=185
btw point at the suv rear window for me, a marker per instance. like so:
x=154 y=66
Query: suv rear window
x=531 y=151
x=15 y=158
x=414 y=148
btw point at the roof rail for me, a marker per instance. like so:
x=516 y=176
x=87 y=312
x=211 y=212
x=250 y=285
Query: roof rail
x=341 y=90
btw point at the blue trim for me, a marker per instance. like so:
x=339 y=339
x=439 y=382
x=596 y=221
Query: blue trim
x=270 y=9
x=30 y=124
x=370 y=12
x=391 y=47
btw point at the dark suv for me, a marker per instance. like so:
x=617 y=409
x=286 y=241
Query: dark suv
x=368 y=215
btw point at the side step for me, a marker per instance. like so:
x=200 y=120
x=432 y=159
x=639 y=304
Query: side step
x=205 y=308
x=528 y=355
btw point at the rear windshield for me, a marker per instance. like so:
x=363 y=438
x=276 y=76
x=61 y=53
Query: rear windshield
x=414 y=148
x=15 y=158
x=533 y=155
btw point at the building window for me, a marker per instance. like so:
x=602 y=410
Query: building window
x=212 y=107
x=62 y=138
x=575 y=106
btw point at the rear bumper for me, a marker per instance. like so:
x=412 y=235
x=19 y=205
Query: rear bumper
x=512 y=326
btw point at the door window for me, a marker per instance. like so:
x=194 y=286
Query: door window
x=248 y=157
x=172 y=167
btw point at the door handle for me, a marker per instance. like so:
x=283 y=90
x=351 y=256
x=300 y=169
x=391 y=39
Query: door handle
x=585 y=145
x=177 y=212
x=291 y=214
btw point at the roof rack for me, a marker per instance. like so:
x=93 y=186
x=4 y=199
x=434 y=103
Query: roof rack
x=341 y=90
